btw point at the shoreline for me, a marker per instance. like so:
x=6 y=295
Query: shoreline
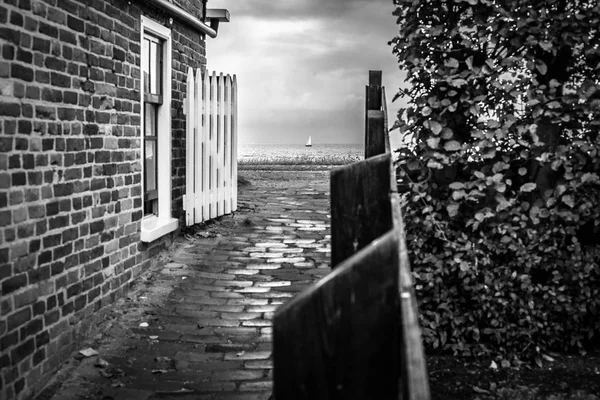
x=287 y=167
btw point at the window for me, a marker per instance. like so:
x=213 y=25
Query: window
x=156 y=130
x=152 y=68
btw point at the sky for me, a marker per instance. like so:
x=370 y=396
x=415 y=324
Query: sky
x=302 y=66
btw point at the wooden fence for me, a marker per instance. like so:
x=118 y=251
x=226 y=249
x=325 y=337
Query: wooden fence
x=355 y=334
x=211 y=146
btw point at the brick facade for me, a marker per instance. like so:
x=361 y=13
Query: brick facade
x=70 y=170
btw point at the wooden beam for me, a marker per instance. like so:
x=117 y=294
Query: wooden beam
x=375 y=78
x=375 y=134
x=340 y=338
x=372 y=100
x=360 y=205
x=415 y=382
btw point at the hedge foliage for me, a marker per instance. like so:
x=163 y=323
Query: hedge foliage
x=502 y=172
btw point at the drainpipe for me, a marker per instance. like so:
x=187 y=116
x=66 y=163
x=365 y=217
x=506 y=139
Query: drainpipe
x=188 y=18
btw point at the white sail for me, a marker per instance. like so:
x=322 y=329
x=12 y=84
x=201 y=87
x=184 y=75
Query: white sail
x=309 y=142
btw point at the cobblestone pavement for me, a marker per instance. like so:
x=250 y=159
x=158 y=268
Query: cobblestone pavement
x=208 y=309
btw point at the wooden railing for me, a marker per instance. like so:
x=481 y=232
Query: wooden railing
x=211 y=146
x=355 y=334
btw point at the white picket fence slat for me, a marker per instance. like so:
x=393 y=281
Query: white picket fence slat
x=211 y=146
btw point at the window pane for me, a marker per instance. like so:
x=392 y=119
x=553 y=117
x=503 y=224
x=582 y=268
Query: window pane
x=150 y=165
x=146 y=64
x=149 y=119
x=155 y=67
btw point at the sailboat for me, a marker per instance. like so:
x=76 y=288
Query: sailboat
x=309 y=142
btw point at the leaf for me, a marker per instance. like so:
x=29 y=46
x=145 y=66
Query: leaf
x=528 y=187
x=433 y=142
x=457 y=185
x=479 y=390
x=452 y=145
x=459 y=194
x=547 y=358
x=434 y=164
x=426 y=111
x=553 y=104
x=413 y=165
x=542 y=68
x=493 y=365
x=538 y=362
x=447 y=133
x=469 y=62
x=451 y=63
x=589 y=177
x=89 y=352
x=435 y=127
x=568 y=200
x=452 y=209
x=522 y=171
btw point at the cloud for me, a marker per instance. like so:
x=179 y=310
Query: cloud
x=302 y=65
x=298 y=9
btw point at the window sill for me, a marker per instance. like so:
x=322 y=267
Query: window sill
x=154 y=227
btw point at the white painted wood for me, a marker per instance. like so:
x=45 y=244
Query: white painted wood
x=227 y=144
x=205 y=204
x=198 y=146
x=211 y=141
x=234 y=144
x=220 y=146
x=213 y=146
x=190 y=166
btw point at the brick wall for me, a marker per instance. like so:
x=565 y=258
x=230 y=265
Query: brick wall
x=70 y=171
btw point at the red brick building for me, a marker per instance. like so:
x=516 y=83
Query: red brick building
x=92 y=163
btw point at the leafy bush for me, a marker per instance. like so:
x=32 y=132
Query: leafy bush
x=528 y=393
x=502 y=172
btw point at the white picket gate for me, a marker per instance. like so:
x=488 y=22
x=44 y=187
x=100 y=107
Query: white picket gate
x=211 y=146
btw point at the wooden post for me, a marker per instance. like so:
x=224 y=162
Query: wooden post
x=374 y=136
x=415 y=383
x=234 y=142
x=340 y=338
x=360 y=205
x=213 y=145
x=189 y=149
x=198 y=156
x=206 y=146
x=227 y=142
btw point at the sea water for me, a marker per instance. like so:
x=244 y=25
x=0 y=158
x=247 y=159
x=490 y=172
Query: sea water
x=299 y=153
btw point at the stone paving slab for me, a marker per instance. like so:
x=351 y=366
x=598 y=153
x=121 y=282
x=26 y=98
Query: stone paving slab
x=201 y=328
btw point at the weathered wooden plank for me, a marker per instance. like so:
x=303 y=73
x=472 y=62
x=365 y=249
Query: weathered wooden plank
x=415 y=383
x=372 y=101
x=360 y=205
x=189 y=148
x=213 y=145
x=198 y=157
x=339 y=339
x=220 y=146
x=234 y=142
x=227 y=145
x=375 y=134
x=375 y=78
x=205 y=147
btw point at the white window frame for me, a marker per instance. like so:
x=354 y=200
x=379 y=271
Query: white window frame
x=156 y=226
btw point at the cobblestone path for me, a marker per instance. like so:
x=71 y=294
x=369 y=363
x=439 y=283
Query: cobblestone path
x=208 y=309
